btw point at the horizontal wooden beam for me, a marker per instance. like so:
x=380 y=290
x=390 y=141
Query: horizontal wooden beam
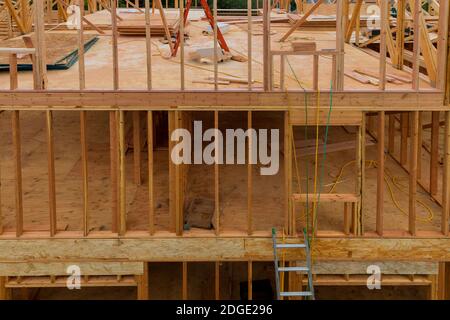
x=221 y=249
x=60 y=268
x=390 y=267
x=221 y=100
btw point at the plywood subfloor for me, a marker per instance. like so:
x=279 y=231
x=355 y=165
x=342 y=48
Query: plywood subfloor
x=166 y=71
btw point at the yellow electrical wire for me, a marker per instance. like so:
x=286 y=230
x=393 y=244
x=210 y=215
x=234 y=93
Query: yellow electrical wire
x=388 y=178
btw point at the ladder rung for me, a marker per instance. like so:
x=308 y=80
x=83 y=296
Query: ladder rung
x=288 y=269
x=291 y=245
x=296 y=294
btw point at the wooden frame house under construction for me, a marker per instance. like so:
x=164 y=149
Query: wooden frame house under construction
x=91 y=92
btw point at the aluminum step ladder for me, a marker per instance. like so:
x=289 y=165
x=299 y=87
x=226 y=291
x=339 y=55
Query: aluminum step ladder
x=310 y=293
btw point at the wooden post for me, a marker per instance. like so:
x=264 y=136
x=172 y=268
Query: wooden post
x=114 y=168
x=404 y=123
x=249 y=176
x=413 y=171
x=380 y=174
x=185 y=278
x=383 y=50
x=442 y=47
x=151 y=193
x=51 y=174
x=400 y=36
x=137 y=147
x=287 y=170
x=434 y=153
x=84 y=171
x=217 y=280
x=41 y=61
x=142 y=287
x=115 y=48
x=122 y=183
x=17 y=154
x=249 y=45
x=267 y=57
x=3 y=290
x=250 y=280
x=182 y=81
x=216 y=178
x=446 y=177
x=148 y=44
x=340 y=45
x=417 y=44
x=216 y=64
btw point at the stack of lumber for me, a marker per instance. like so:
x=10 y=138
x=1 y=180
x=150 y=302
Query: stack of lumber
x=319 y=21
x=134 y=25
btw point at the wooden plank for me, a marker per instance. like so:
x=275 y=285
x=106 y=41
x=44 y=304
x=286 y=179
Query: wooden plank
x=84 y=171
x=380 y=173
x=215 y=60
x=122 y=178
x=400 y=35
x=361 y=100
x=301 y=20
x=137 y=148
x=226 y=248
x=414 y=146
x=249 y=177
x=142 y=287
x=172 y=175
x=250 y=280
x=353 y=20
x=249 y=45
x=339 y=118
x=13 y=79
x=445 y=178
x=41 y=57
x=81 y=64
x=287 y=170
x=391 y=134
x=383 y=49
x=434 y=154
x=185 y=281
x=114 y=45
x=404 y=123
x=340 y=47
x=416 y=44
x=216 y=179
x=14 y=269
x=442 y=46
x=114 y=169
x=267 y=58
x=148 y=43
x=51 y=174
x=217 y=280
x=151 y=193
x=17 y=155
x=326 y=197
x=181 y=31
x=387 y=267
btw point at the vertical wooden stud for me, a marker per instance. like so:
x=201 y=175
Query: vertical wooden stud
x=446 y=178
x=137 y=147
x=151 y=194
x=413 y=171
x=249 y=176
x=122 y=184
x=380 y=174
x=51 y=173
